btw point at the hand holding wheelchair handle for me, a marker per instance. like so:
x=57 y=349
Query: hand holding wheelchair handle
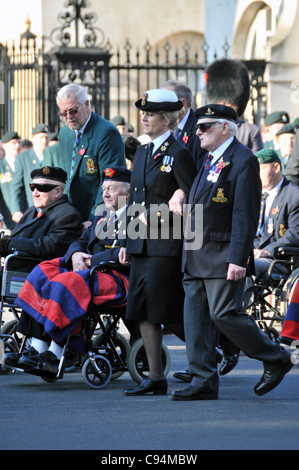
x=123 y=257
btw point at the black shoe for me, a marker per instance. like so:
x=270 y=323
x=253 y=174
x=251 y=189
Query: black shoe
x=46 y=361
x=183 y=375
x=191 y=393
x=12 y=359
x=228 y=363
x=271 y=379
x=149 y=386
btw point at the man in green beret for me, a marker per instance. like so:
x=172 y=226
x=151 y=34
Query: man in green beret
x=36 y=157
x=285 y=138
x=11 y=147
x=273 y=123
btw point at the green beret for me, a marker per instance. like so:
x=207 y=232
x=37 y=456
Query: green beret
x=10 y=136
x=267 y=156
x=288 y=129
x=278 y=117
x=40 y=128
x=118 y=121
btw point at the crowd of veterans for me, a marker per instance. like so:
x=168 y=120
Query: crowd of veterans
x=100 y=194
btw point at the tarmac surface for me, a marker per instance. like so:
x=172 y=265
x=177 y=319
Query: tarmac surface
x=68 y=415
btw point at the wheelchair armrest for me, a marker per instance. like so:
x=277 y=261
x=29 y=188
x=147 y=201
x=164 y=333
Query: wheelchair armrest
x=288 y=251
x=108 y=265
x=20 y=260
x=277 y=276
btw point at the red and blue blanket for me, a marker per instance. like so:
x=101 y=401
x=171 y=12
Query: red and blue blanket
x=290 y=329
x=58 y=298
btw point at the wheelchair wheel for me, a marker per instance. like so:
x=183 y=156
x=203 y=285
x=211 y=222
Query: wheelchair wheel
x=138 y=364
x=9 y=347
x=97 y=379
x=122 y=347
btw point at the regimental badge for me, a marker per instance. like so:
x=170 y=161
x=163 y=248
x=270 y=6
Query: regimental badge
x=109 y=172
x=282 y=230
x=144 y=99
x=164 y=147
x=90 y=167
x=220 y=198
x=209 y=112
x=46 y=170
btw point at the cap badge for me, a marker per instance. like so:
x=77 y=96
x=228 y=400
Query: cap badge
x=144 y=98
x=46 y=170
x=209 y=112
x=109 y=172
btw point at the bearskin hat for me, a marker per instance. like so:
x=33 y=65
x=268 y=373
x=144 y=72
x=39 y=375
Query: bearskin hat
x=228 y=81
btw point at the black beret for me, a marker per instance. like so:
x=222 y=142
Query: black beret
x=117 y=173
x=50 y=173
x=10 y=136
x=159 y=100
x=228 y=81
x=217 y=111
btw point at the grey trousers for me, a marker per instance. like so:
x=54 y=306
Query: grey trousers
x=219 y=302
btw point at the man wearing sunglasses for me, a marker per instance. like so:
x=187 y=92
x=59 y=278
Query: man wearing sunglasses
x=88 y=145
x=46 y=229
x=229 y=189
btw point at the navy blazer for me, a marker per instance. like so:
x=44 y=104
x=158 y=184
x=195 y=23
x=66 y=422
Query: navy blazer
x=48 y=236
x=231 y=208
x=152 y=186
x=282 y=224
x=97 y=240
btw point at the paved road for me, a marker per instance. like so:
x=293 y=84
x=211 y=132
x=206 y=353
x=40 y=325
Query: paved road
x=69 y=415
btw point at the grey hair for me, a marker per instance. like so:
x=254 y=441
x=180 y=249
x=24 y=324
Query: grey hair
x=181 y=90
x=125 y=187
x=72 y=90
x=233 y=128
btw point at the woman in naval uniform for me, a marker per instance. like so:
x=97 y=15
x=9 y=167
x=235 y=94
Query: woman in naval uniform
x=154 y=240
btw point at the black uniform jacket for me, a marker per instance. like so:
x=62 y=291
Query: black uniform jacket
x=100 y=240
x=282 y=224
x=153 y=184
x=231 y=208
x=48 y=236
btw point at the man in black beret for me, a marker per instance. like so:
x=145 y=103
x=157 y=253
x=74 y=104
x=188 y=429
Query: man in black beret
x=228 y=188
x=11 y=147
x=38 y=156
x=47 y=228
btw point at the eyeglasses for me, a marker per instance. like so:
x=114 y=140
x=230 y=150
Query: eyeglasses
x=71 y=112
x=43 y=188
x=203 y=127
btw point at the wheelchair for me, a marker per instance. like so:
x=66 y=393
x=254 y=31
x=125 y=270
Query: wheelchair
x=270 y=297
x=15 y=271
x=108 y=354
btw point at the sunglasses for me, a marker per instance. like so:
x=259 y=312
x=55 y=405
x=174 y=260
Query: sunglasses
x=203 y=127
x=71 y=112
x=43 y=188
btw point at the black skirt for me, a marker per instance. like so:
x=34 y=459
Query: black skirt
x=155 y=289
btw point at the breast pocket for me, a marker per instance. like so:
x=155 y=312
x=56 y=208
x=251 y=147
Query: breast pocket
x=90 y=165
x=221 y=193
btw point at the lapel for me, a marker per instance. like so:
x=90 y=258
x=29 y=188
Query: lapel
x=159 y=154
x=226 y=158
x=278 y=201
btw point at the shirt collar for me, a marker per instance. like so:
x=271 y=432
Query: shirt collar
x=159 y=140
x=220 y=151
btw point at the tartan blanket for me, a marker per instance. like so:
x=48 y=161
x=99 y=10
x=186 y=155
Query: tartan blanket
x=58 y=298
x=290 y=327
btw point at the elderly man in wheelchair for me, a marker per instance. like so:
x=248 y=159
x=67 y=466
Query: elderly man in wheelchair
x=276 y=251
x=57 y=293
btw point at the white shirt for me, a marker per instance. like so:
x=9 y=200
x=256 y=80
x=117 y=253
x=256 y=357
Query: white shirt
x=159 y=140
x=183 y=121
x=220 y=151
x=270 y=199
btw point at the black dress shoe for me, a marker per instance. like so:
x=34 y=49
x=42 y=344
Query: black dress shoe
x=183 y=375
x=148 y=386
x=47 y=361
x=271 y=379
x=228 y=363
x=12 y=359
x=192 y=393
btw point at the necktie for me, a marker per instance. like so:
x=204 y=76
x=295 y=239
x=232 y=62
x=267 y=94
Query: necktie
x=149 y=153
x=205 y=172
x=177 y=133
x=75 y=153
x=261 y=224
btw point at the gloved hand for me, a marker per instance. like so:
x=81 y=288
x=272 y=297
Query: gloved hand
x=4 y=242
